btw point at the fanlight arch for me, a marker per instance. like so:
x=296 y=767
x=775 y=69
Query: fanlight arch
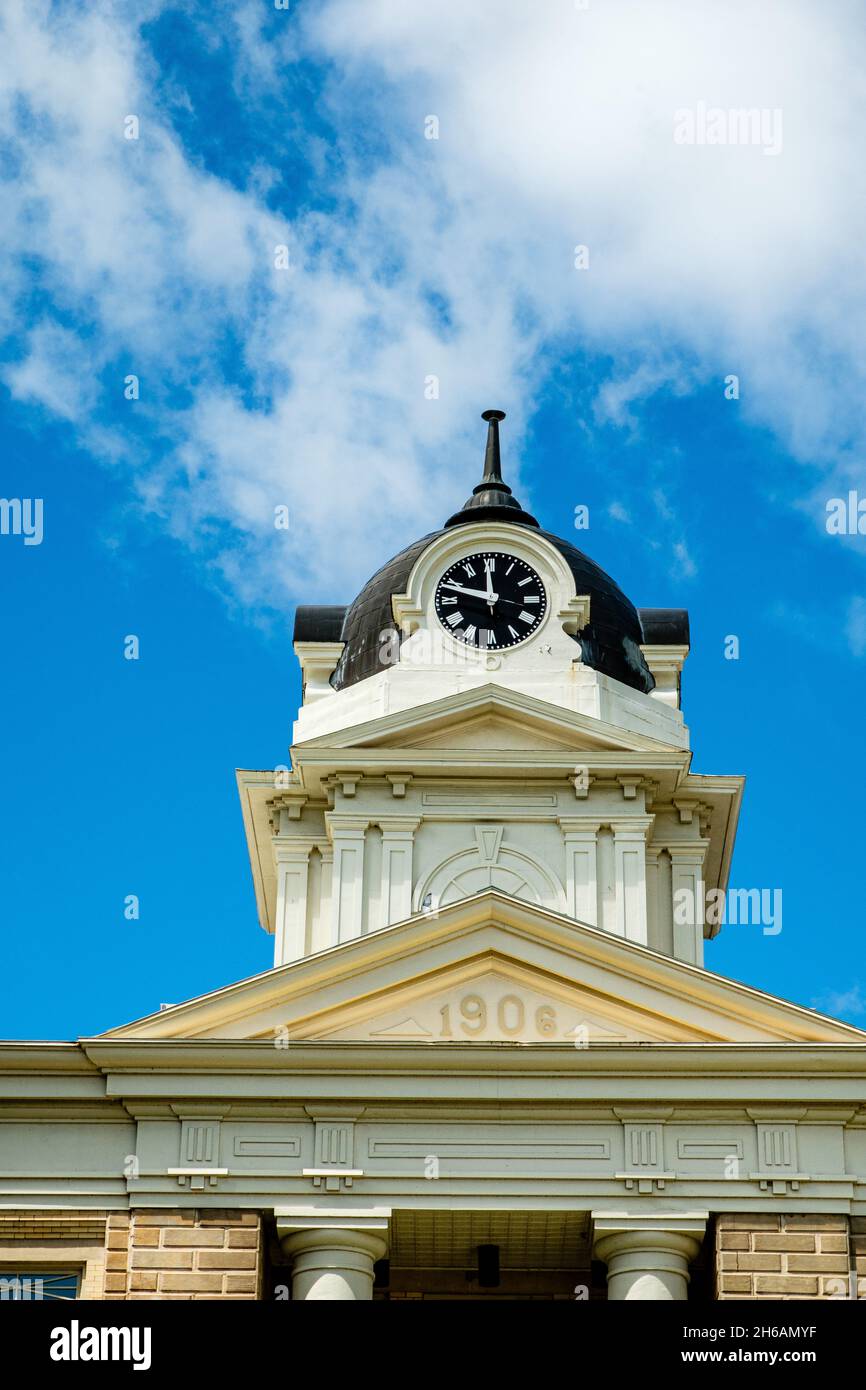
x=489 y=864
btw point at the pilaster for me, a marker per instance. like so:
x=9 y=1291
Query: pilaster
x=630 y=836
x=347 y=835
x=292 y=858
x=580 y=834
x=398 y=836
x=687 y=899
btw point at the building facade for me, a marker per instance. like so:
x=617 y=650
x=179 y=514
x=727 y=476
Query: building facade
x=489 y=1060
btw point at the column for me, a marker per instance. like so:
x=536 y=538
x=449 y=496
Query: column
x=347 y=834
x=333 y=1263
x=580 y=835
x=398 y=836
x=648 y=1257
x=292 y=860
x=687 y=900
x=630 y=876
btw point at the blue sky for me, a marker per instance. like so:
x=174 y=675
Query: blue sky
x=409 y=258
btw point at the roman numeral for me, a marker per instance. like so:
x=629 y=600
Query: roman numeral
x=454 y=618
x=532 y=598
x=469 y=570
x=525 y=617
x=445 y=600
x=512 y=631
x=491 y=638
x=511 y=567
x=490 y=565
x=521 y=582
x=470 y=632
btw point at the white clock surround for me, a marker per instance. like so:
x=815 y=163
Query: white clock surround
x=415 y=611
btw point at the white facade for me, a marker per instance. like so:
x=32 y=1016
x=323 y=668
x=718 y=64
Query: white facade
x=453 y=771
x=487 y=1021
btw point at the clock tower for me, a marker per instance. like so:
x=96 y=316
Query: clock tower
x=488 y=1060
x=490 y=713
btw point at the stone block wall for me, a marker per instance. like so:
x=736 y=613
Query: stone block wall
x=786 y=1256
x=183 y=1254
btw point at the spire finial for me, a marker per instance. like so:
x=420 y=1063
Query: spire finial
x=492 y=461
x=491 y=500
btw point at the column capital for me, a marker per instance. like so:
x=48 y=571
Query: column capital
x=580 y=825
x=347 y=827
x=686 y=1223
x=637 y=827
x=648 y=1256
x=397 y=825
x=332 y=1263
x=342 y=1239
x=687 y=851
x=291 y=849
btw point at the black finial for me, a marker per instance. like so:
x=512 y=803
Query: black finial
x=491 y=500
x=492 y=463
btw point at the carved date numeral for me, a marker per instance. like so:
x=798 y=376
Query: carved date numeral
x=510 y=1017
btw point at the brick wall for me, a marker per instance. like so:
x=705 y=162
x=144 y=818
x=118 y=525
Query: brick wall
x=785 y=1256
x=184 y=1254
x=58 y=1240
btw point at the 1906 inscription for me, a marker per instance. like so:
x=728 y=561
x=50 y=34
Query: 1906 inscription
x=472 y=1016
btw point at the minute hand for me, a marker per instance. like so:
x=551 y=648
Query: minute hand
x=473 y=593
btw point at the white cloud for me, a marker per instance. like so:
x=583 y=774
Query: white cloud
x=619 y=513
x=849 y=1002
x=563 y=118
x=556 y=128
x=684 y=566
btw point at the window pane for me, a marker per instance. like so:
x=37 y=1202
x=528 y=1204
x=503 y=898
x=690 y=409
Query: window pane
x=35 y=1285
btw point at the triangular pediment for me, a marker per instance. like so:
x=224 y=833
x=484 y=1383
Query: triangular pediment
x=489 y=733
x=526 y=721
x=491 y=969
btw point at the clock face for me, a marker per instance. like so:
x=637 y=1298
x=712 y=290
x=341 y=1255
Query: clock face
x=490 y=600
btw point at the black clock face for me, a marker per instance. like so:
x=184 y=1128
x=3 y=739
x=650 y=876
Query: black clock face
x=490 y=600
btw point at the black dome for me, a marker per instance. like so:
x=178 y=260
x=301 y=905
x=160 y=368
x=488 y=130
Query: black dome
x=610 y=642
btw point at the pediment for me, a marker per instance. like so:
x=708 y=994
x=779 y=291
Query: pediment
x=491 y=733
x=491 y=969
x=495 y=709
x=491 y=999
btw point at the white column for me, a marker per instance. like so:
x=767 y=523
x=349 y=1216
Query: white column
x=347 y=879
x=648 y=1257
x=333 y=1263
x=292 y=859
x=580 y=835
x=653 y=931
x=687 y=900
x=398 y=835
x=630 y=876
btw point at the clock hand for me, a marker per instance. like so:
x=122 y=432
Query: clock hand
x=473 y=593
x=491 y=597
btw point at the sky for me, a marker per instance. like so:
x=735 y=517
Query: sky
x=262 y=259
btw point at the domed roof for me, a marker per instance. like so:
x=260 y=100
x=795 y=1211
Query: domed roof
x=610 y=642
